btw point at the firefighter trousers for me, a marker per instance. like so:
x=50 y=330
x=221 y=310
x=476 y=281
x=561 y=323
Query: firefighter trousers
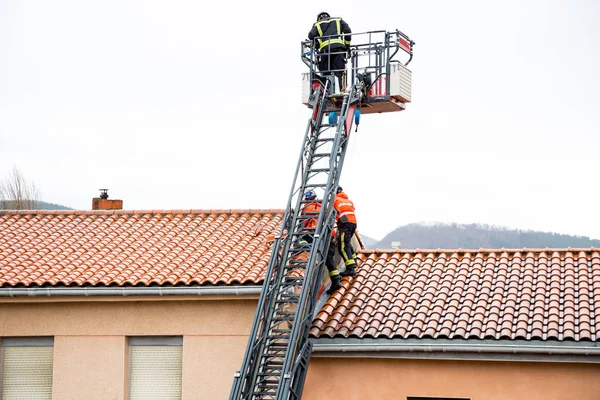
x=335 y=64
x=345 y=233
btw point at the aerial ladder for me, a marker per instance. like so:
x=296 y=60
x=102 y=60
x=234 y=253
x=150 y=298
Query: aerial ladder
x=276 y=359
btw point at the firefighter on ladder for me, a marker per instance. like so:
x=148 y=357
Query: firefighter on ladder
x=311 y=211
x=334 y=45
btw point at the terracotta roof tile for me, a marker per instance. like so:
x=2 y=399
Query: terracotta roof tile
x=550 y=294
x=135 y=247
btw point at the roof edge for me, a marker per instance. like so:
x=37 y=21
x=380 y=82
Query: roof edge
x=158 y=211
x=131 y=291
x=482 y=350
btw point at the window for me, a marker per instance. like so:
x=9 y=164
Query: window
x=155 y=367
x=26 y=368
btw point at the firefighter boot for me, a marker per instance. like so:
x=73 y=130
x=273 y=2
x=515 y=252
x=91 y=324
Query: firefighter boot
x=350 y=268
x=349 y=271
x=335 y=284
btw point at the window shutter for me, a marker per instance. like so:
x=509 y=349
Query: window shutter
x=155 y=372
x=27 y=373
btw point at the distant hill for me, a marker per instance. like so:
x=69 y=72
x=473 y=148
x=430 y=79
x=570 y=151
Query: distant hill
x=46 y=206
x=52 y=206
x=476 y=236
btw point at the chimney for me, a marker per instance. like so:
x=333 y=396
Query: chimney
x=103 y=203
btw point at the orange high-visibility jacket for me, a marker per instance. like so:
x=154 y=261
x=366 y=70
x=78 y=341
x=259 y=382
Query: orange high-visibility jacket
x=345 y=208
x=312 y=210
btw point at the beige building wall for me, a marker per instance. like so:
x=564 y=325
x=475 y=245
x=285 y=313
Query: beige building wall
x=94 y=365
x=91 y=351
x=215 y=358
x=91 y=355
x=381 y=379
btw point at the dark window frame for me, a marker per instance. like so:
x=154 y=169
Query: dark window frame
x=436 y=398
x=155 y=340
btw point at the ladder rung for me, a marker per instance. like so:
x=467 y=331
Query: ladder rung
x=282 y=330
x=285 y=302
x=320 y=155
x=300 y=233
x=282 y=313
x=290 y=296
x=268 y=357
x=289 y=280
x=275 y=363
x=273 y=372
x=275 y=337
x=266 y=374
x=266 y=382
x=282 y=319
x=325 y=140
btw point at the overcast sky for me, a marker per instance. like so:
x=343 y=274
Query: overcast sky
x=175 y=105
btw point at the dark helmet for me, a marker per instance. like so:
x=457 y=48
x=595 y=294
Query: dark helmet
x=310 y=195
x=323 y=15
x=339 y=189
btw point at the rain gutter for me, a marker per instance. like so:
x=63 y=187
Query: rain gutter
x=132 y=291
x=498 y=350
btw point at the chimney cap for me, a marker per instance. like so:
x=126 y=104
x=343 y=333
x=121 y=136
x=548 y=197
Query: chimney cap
x=103 y=194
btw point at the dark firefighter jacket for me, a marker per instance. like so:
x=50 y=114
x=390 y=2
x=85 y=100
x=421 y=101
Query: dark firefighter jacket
x=332 y=30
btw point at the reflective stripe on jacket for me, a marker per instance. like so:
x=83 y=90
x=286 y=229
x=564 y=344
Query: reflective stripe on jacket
x=332 y=29
x=345 y=208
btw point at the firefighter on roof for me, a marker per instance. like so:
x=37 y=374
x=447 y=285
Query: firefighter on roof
x=346 y=223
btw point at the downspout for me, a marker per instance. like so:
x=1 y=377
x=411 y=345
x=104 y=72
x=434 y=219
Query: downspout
x=132 y=291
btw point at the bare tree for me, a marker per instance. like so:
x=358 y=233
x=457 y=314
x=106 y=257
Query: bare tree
x=17 y=193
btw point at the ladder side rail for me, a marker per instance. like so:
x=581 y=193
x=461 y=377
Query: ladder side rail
x=308 y=152
x=265 y=300
x=274 y=291
x=294 y=385
x=315 y=264
x=266 y=316
x=294 y=380
x=336 y=163
x=317 y=261
x=241 y=376
x=309 y=148
x=280 y=288
x=275 y=282
x=300 y=367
